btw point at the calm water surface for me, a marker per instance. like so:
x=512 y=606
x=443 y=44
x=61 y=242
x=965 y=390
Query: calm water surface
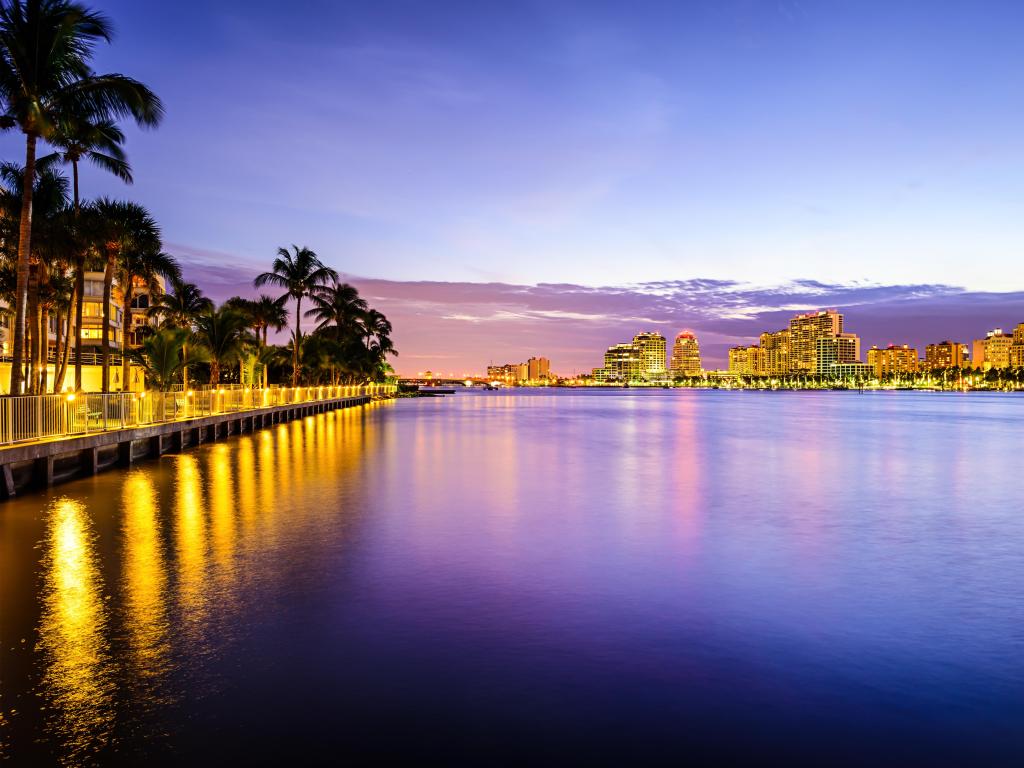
x=494 y=577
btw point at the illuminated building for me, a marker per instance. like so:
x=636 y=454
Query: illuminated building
x=686 y=355
x=738 y=360
x=93 y=314
x=622 y=363
x=832 y=350
x=651 y=348
x=776 y=352
x=994 y=351
x=757 y=361
x=846 y=370
x=538 y=368
x=945 y=354
x=804 y=332
x=1017 y=350
x=892 y=360
x=144 y=295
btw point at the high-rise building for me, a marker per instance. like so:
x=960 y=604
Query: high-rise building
x=622 y=363
x=757 y=361
x=830 y=351
x=994 y=351
x=776 y=352
x=650 y=345
x=538 y=368
x=1017 y=350
x=892 y=360
x=945 y=354
x=804 y=332
x=686 y=355
x=738 y=360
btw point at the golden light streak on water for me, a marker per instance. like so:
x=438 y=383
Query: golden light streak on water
x=222 y=513
x=144 y=580
x=78 y=682
x=191 y=543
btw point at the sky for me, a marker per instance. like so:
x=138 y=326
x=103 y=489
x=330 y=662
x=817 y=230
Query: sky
x=548 y=178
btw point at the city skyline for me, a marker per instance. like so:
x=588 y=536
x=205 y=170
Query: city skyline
x=683 y=142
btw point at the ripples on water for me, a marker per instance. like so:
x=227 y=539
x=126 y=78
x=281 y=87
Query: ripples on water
x=609 y=576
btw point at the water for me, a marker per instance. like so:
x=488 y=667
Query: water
x=554 y=576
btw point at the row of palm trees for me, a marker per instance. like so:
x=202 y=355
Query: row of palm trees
x=49 y=91
x=349 y=344
x=50 y=236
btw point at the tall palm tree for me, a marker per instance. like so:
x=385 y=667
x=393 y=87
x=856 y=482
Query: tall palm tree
x=146 y=266
x=45 y=51
x=338 y=305
x=223 y=334
x=264 y=313
x=377 y=326
x=99 y=141
x=50 y=191
x=179 y=309
x=116 y=228
x=298 y=272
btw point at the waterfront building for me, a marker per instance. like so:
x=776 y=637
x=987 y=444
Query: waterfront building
x=650 y=346
x=538 y=369
x=144 y=294
x=852 y=369
x=622 y=363
x=686 y=355
x=738 y=360
x=830 y=350
x=757 y=361
x=804 y=332
x=893 y=360
x=994 y=351
x=945 y=354
x=776 y=352
x=94 y=315
x=1017 y=350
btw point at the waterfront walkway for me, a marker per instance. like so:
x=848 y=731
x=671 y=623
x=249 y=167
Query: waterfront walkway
x=51 y=438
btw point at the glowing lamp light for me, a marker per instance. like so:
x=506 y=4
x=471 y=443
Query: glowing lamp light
x=189 y=393
x=468 y=382
x=71 y=397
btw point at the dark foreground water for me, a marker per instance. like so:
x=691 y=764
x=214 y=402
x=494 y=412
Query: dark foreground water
x=536 y=577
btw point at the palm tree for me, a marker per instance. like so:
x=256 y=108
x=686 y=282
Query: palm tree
x=299 y=272
x=45 y=50
x=179 y=309
x=98 y=141
x=146 y=266
x=116 y=228
x=161 y=356
x=338 y=305
x=49 y=229
x=377 y=327
x=264 y=313
x=222 y=333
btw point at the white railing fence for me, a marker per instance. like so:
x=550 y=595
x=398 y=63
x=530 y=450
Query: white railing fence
x=43 y=417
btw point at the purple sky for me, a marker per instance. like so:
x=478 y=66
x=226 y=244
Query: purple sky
x=549 y=177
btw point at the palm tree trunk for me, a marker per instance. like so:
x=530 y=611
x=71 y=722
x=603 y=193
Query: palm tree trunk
x=32 y=320
x=214 y=372
x=265 y=375
x=79 y=290
x=62 y=370
x=21 y=287
x=108 y=280
x=184 y=367
x=125 y=325
x=295 y=343
x=44 y=349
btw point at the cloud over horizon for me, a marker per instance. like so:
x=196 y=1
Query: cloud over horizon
x=461 y=327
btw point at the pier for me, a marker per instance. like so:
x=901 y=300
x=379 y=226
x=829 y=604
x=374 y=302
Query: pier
x=49 y=439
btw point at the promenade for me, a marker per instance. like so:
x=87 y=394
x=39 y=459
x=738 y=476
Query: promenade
x=48 y=439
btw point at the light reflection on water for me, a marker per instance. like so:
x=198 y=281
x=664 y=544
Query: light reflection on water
x=78 y=676
x=597 y=575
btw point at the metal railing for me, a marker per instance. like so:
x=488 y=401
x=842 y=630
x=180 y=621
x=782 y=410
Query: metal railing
x=47 y=417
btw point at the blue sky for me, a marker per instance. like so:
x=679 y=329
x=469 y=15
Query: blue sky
x=598 y=144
